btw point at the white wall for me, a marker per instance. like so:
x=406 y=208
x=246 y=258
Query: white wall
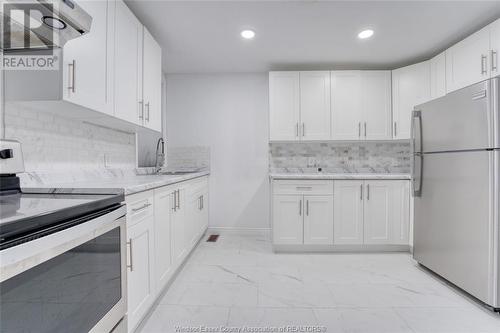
x=228 y=113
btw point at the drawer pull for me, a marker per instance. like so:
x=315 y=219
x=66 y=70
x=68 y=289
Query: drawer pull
x=304 y=188
x=146 y=205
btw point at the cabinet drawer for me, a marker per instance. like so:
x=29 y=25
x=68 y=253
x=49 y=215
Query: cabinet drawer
x=306 y=187
x=139 y=207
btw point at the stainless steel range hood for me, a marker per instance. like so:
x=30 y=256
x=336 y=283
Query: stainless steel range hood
x=41 y=24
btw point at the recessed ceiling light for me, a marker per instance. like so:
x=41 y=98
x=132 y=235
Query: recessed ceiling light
x=248 y=34
x=365 y=34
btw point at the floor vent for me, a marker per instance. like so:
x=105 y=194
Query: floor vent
x=212 y=238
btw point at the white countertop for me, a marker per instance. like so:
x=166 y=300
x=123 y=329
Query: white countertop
x=400 y=176
x=130 y=185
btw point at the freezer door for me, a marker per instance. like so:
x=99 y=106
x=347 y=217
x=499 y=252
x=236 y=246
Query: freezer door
x=455 y=220
x=466 y=119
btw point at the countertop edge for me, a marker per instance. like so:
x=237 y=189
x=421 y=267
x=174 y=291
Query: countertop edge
x=297 y=176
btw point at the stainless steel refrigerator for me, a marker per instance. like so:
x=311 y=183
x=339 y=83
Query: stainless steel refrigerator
x=456 y=184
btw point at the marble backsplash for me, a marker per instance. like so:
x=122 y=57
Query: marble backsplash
x=340 y=157
x=65 y=149
x=181 y=158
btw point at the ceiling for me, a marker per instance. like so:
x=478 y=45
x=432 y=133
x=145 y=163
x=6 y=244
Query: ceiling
x=203 y=36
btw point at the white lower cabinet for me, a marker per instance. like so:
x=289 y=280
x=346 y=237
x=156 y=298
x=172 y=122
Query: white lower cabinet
x=371 y=212
x=140 y=244
x=287 y=219
x=318 y=219
x=348 y=212
x=356 y=212
x=163 y=252
x=157 y=221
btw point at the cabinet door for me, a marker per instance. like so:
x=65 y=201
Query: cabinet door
x=179 y=245
x=494 y=47
x=152 y=82
x=163 y=255
x=318 y=219
x=140 y=275
x=192 y=219
x=410 y=87
x=348 y=212
x=346 y=105
x=378 y=217
x=88 y=60
x=284 y=106
x=467 y=61
x=288 y=219
x=376 y=105
x=315 y=105
x=128 y=65
x=400 y=211
x=204 y=211
x=438 y=75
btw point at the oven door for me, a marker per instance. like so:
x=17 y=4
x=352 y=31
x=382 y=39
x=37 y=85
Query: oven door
x=73 y=280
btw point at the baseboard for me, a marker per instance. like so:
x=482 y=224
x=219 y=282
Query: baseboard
x=241 y=231
x=340 y=248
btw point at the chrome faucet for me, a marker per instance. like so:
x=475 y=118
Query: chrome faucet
x=160 y=155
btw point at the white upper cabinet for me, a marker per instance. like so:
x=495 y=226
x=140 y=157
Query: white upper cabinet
x=151 y=82
x=284 y=106
x=376 y=104
x=410 y=87
x=467 y=62
x=438 y=75
x=88 y=60
x=315 y=105
x=346 y=105
x=361 y=105
x=494 y=47
x=128 y=65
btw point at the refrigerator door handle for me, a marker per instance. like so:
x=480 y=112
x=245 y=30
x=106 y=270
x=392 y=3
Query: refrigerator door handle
x=417 y=175
x=417 y=151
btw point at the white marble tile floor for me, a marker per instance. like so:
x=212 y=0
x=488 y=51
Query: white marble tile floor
x=239 y=282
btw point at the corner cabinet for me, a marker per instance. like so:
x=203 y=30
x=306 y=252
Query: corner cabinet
x=410 y=87
x=332 y=214
x=88 y=61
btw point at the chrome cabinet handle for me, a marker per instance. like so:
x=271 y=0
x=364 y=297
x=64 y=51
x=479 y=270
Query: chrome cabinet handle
x=173 y=201
x=368 y=192
x=71 y=74
x=304 y=187
x=359 y=129
x=178 y=200
x=202 y=201
x=361 y=192
x=300 y=207
x=141 y=109
x=296 y=129
x=146 y=205
x=483 y=64
x=131 y=266
x=365 y=129
x=303 y=129
x=147 y=111
x=494 y=59
x=307 y=207
x=395 y=129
